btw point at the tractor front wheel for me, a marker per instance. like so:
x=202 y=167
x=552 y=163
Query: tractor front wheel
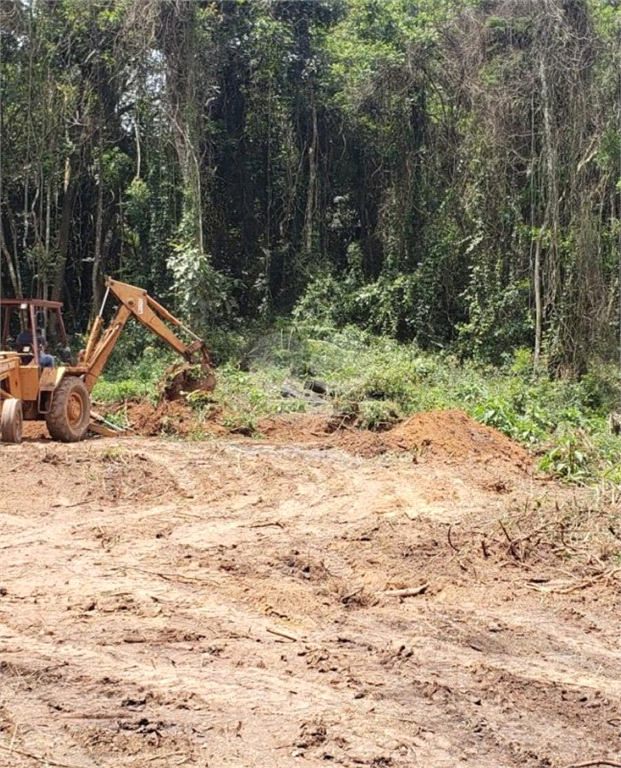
x=11 y=420
x=70 y=414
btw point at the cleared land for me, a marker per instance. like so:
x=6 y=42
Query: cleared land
x=237 y=602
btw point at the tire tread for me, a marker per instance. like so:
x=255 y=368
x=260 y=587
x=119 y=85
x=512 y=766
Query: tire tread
x=56 y=418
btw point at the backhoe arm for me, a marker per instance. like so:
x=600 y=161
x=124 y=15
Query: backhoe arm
x=137 y=303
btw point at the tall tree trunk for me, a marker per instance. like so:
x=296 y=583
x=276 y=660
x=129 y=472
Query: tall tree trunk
x=95 y=278
x=13 y=272
x=63 y=232
x=538 y=290
x=180 y=49
x=309 y=217
x=46 y=242
x=550 y=219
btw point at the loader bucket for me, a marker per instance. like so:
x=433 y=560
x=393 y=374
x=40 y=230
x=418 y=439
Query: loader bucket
x=183 y=378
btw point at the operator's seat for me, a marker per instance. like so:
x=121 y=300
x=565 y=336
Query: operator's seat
x=23 y=346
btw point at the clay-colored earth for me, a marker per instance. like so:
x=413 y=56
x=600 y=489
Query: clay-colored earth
x=236 y=602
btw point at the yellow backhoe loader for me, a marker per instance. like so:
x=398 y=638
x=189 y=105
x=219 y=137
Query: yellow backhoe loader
x=33 y=387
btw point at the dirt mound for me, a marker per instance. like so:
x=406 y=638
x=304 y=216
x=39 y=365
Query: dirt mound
x=167 y=417
x=449 y=435
x=446 y=436
x=455 y=435
x=294 y=427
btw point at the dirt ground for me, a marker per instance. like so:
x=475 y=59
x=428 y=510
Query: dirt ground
x=316 y=596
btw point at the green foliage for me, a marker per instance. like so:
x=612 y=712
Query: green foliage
x=498 y=317
x=107 y=391
x=139 y=354
x=373 y=38
x=134 y=369
x=245 y=397
x=204 y=295
x=528 y=427
x=352 y=160
x=389 y=305
x=377 y=415
x=567 y=459
x=564 y=420
x=585 y=456
x=138 y=199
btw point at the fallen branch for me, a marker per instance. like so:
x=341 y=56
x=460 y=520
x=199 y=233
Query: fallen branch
x=410 y=592
x=68 y=506
x=484 y=548
x=563 y=590
x=266 y=525
x=512 y=543
x=282 y=634
x=452 y=546
x=532 y=533
x=568 y=588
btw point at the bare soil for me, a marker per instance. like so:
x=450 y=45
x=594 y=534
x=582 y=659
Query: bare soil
x=320 y=595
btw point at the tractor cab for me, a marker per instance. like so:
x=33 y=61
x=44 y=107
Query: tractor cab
x=26 y=325
x=28 y=372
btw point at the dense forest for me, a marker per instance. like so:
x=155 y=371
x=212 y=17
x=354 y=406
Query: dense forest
x=439 y=171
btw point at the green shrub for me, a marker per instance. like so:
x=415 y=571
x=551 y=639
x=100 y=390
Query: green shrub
x=106 y=391
x=377 y=415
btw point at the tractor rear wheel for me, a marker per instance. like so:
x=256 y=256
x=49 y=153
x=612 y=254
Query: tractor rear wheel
x=11 y=420
x=70 y=414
